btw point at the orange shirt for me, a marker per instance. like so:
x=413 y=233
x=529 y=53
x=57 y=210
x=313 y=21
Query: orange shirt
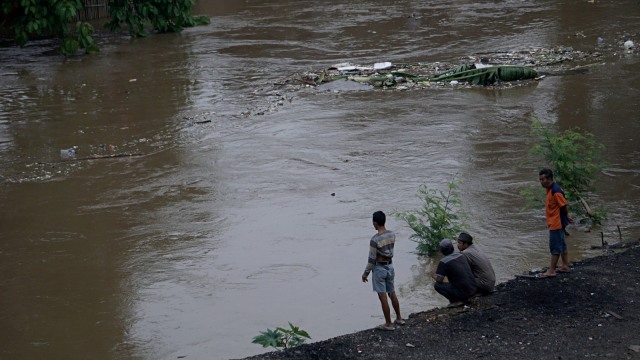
x=553 y=203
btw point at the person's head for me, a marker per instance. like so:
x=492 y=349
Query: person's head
x=446 y=247
x=379 y=218
x=546 y=178
x=464 y=240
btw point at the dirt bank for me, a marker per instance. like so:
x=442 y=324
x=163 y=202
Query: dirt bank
x=591 y=312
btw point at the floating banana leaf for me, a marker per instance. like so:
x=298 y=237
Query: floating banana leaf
x=404 y=75
x=377 y=81
x=326 y=79
x=457 y=70
x=486 y=76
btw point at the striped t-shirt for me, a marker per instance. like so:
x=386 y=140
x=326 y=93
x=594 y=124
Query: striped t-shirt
x=380 y=244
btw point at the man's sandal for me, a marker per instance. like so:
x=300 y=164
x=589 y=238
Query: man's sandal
x=385 y=327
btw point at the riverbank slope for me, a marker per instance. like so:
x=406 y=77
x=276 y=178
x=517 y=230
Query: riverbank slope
x=591 y=312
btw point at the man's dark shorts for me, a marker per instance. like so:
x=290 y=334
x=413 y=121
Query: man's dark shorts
x=557 y=243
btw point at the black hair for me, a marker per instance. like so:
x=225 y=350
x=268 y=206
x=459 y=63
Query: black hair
x=379 y=218
x=466 y=238
x=446 y=250
x=547 y=173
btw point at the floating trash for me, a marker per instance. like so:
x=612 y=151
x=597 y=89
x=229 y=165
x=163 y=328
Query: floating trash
x=67 y=153
x=495 y=69
x=347 y=68
x=628 y=45
x=382 y=65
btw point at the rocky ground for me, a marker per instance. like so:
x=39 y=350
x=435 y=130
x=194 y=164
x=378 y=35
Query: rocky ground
x=591 y=312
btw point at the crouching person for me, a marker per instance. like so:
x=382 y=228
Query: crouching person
x=479 y=262
x=454 y=267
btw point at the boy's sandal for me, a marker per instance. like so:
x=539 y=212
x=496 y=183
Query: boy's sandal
x=385 y=327
x=400 y=322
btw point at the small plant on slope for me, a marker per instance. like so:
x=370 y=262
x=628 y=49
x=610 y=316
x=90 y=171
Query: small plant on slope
x=281 y=338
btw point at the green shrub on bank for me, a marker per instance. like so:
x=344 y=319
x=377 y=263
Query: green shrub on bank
x=157 y=15
x=576 y=160
x=29 y=19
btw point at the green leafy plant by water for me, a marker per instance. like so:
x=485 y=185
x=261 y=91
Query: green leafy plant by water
x=27 y=19
x=140 y=17
x=282 y=338
x=576 y=158
x=441 y=216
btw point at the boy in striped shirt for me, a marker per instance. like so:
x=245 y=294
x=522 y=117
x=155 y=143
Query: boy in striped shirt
x=380 y=262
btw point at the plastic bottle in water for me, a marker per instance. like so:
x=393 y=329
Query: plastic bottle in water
x=67 y=153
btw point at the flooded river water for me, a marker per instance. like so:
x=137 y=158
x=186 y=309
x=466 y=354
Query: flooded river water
x=244 y=214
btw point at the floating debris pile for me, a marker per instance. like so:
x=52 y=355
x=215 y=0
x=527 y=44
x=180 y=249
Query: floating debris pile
x=491 y=70
x=503 y=69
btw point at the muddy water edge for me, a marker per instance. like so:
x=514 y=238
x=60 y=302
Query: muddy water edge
x=250 y=207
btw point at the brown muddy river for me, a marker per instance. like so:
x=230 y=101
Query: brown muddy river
x=227 y=225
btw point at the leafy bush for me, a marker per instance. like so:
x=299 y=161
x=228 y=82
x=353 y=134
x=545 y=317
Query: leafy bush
x=282 y=338
x=31 y=18
x=440 y=217
x=575 y=158
x=159 y=15
x=28 y=19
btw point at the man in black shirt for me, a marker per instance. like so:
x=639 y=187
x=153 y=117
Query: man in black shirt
x=454 y=267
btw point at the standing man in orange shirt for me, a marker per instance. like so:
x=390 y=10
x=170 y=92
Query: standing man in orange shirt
x=557 y=214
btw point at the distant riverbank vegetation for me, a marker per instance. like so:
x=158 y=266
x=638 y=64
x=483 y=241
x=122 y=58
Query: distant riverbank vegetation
x=25 y=20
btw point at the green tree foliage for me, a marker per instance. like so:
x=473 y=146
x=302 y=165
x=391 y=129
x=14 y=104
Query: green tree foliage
x=28 y=19
x=281 y=338
x=33 y=18
x=576 y=159
x=440 y=217
x=157 y=15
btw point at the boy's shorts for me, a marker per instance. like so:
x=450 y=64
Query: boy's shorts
x=382 y=279
x=557 y=243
